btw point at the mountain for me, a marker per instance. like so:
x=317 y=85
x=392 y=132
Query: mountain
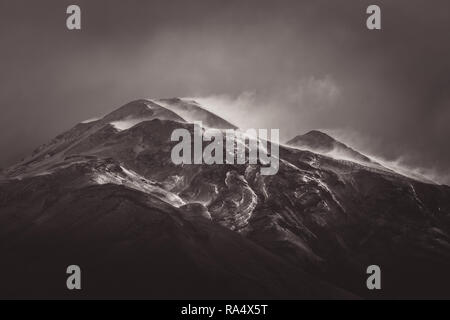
x=320 y=142
x=191 y=111
x=105 y=195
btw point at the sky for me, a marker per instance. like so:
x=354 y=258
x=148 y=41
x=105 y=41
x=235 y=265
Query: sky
x=293 y=65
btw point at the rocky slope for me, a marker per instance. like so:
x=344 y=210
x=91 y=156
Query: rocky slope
x=106 y=194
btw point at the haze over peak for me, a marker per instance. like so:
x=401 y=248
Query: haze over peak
x=191 y=111
x=320 y=142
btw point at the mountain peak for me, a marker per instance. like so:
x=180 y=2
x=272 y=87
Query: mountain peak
x=320 y=142
x=171 y=100
x=314 y=139
x=191 y=111
x=136 y=108
x=112 y=182
x=319 y=137
x=175 y=109
x=317 y=133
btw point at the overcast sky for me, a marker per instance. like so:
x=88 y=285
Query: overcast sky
x=294 y=65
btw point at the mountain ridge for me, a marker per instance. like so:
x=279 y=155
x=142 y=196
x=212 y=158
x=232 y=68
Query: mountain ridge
x=322 y=218
x=318 y=141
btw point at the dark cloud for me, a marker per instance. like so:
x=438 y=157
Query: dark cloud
x=297 y=65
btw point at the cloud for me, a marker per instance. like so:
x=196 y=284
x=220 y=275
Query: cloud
x=239 y=110
x=291 y=109
x=307 y=102
x=405 y=164
x=315 y=93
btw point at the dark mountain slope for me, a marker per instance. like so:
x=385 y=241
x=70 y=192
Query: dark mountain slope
x=129 y=244
x=330 y=218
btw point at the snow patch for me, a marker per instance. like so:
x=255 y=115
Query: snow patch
x=245 y=201
x=90 y=120
x=135 y=181
x=127 y=124
x=325 y=187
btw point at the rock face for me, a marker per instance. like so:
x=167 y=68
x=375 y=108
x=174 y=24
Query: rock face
x=106 y=196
